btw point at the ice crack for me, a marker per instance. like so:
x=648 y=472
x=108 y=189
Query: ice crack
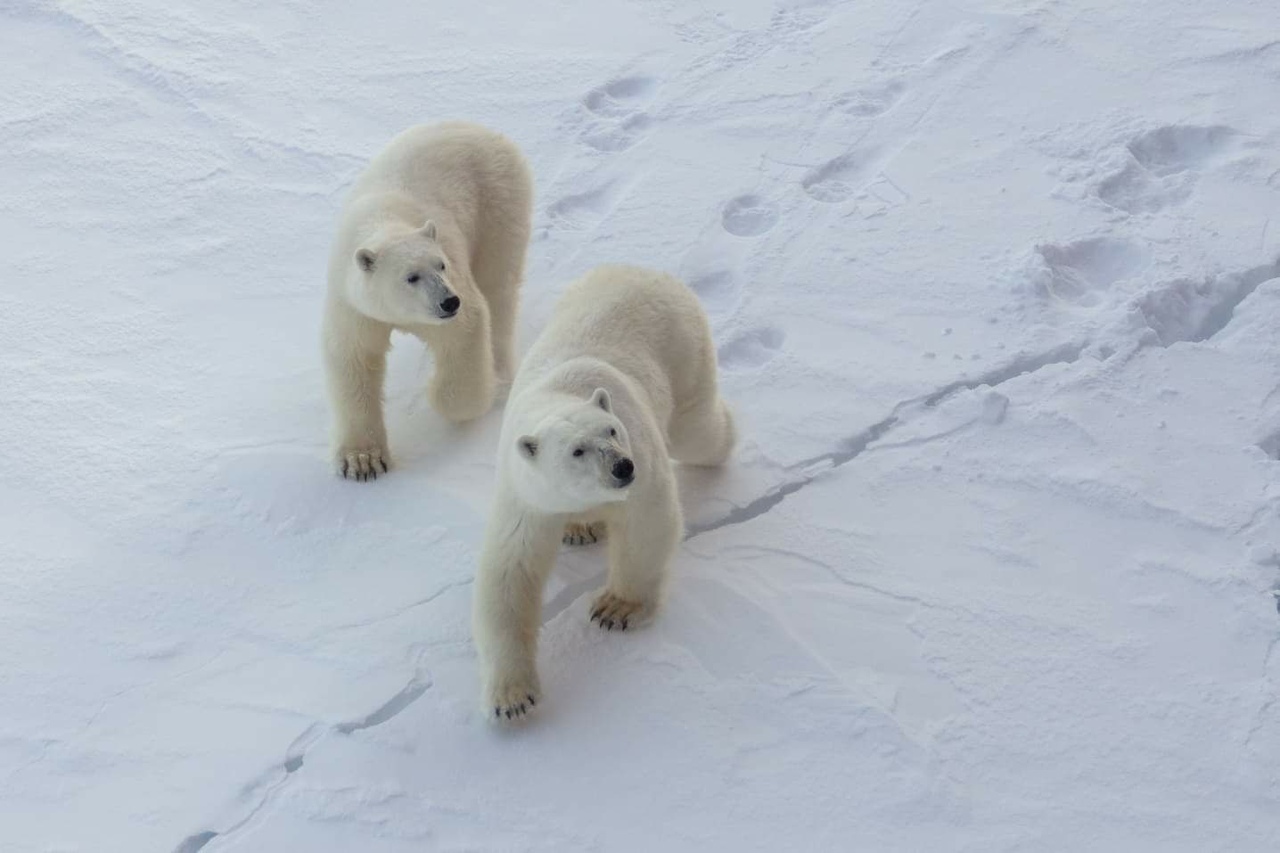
x=810 y=470
x=296 y=755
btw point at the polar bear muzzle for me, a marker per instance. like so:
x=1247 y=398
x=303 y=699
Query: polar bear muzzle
x=450 y=305
x=623 y=471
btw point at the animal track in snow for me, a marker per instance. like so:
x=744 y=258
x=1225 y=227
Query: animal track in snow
x=838 y=179
x=718 y=290
x=751 y=349
x=1134 y=190
x=1078 y=271
x=618 y=136
x=1162 y=164
x=749 y=216
x=1271 y=446
x=1176 y=148
x=873 y=100
x=1195 y=310
x=621 y=97
x=585 y=210
x=620 y=121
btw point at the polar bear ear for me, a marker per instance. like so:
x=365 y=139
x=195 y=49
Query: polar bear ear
x=365 y=258
x=528 y=446
x=600 y=397
x=428 y=230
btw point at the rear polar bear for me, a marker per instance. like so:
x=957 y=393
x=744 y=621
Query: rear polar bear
x=622 y=380
x=432 y=242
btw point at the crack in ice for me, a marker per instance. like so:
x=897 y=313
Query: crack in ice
x=854 y=446
x=296 y=755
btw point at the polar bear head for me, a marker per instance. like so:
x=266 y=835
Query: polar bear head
x=578 y=457
x=404 y=280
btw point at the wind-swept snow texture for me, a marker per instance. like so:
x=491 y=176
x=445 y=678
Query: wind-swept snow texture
x=996 y=290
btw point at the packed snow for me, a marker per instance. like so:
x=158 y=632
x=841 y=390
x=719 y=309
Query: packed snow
x=996 y=290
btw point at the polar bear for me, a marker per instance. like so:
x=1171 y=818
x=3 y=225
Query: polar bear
x=432 y=242
x=621 y=381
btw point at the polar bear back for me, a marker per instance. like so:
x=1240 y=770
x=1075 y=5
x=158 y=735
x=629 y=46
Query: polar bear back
x=475 y=174
x=642 y=322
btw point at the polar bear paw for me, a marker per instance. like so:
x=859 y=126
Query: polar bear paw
x=363 y=463
x=583 y=534
x=511 y=699
x=610 y=611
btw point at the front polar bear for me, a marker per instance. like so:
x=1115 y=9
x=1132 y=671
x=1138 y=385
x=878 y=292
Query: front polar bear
x=432 y=242
x=621 y=381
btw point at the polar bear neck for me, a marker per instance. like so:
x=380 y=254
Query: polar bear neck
x=575 y=377
x=394 y=214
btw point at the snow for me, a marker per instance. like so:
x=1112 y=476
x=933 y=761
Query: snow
x=996 y=290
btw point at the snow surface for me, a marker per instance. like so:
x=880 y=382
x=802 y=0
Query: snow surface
x=996 y=287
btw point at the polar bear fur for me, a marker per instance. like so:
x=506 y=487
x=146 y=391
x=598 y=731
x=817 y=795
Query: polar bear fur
x=442 y=213
x=626 y=373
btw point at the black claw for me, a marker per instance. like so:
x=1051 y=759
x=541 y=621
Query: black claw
x=532 y=701
x=383 y=464
x=497 y=712
x=508 y=713
x=623 y=624
x=344 y=469
x=521 y=711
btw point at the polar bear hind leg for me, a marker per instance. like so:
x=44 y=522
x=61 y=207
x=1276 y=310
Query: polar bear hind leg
x=499 y=274
x=499 y=266
x=703 y=434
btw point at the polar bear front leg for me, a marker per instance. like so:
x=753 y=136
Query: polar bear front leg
x=642 y=537
x=355 y=359
x=519 y=553
x=464 y=383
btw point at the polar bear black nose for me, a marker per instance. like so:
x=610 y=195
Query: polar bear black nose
x=623 y=469
x=450 y=305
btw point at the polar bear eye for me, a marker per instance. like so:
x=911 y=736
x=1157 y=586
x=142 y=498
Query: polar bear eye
x=613 y=433
x=578 y=452
x=440 y=265
x=414 y=279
